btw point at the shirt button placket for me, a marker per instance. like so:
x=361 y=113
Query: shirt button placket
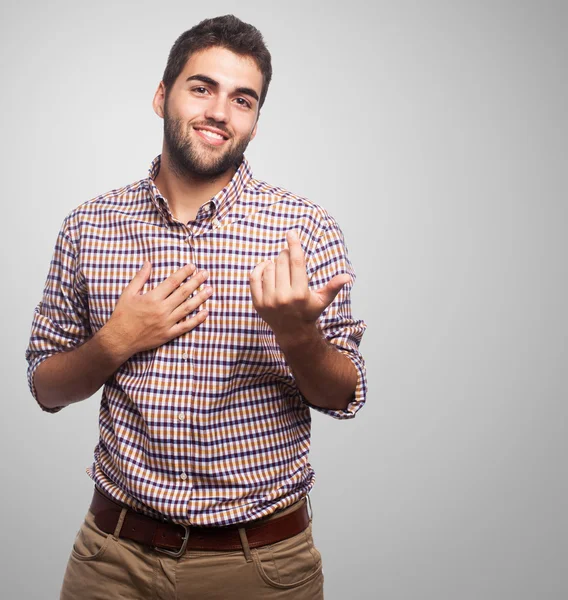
x=186 y=257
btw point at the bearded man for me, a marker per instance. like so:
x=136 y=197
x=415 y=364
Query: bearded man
x=214 y=309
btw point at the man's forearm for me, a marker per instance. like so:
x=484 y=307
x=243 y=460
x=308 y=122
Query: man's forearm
x=325 y=376
x=68 y=377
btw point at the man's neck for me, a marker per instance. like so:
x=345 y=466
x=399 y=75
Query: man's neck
x=185 y=195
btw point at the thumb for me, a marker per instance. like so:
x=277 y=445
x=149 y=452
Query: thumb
x=137 y=282
x=333 y=287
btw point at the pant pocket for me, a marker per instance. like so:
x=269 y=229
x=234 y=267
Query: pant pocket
x=289 y=563
x=90 y=542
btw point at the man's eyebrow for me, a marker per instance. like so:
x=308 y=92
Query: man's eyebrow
x=203 y=78
x=242 y=90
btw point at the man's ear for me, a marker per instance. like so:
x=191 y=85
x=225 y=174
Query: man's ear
x=159 y=100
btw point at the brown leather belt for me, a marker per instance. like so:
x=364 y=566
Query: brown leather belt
x=175 y=539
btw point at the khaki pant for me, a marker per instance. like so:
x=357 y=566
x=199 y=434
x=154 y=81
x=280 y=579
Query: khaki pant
x=103 y=566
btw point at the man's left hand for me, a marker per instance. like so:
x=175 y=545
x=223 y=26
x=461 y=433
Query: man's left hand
x=280 y=291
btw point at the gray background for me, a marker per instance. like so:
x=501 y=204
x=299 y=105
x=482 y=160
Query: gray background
x=435 y=133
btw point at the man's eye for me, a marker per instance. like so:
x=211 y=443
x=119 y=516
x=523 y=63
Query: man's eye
x=243 y=102
x=200 y=90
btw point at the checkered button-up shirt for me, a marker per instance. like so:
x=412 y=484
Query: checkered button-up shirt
x=209 y=428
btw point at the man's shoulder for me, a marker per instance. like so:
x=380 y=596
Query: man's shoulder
x=280 y=198
x=123 y=196
x=126 y=199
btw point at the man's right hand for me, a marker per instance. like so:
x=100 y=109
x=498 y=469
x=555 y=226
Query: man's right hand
x=139 y=322
x=144 y=321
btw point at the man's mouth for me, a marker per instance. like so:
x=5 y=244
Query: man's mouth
x=211 y=135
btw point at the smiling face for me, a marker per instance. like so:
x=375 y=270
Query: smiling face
x=210 y=112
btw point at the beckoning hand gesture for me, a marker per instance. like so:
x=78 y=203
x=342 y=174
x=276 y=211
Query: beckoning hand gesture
x=280 y=291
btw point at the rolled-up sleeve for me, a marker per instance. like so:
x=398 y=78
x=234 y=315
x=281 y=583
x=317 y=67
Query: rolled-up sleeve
x=60 y=320
x=336 y=322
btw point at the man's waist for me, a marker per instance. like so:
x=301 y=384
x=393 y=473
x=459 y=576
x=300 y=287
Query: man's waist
x=259 y=514
x=174 y=539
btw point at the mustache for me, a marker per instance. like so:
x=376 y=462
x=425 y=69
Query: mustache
x=214 y=124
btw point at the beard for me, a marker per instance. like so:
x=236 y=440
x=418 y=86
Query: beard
x=188 y=160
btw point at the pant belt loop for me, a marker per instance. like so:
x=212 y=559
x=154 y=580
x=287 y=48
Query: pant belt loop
x=311 y=513
x=245 y=544
x=118 y=527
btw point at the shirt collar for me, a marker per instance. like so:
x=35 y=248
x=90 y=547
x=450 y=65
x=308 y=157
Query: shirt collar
x=222 y=201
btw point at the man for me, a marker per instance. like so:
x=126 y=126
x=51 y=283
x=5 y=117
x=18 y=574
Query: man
x=214 y=308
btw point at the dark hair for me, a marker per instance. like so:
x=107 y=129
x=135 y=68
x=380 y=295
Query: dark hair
x=227 y=32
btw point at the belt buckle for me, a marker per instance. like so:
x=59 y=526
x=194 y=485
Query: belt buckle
x=176 y=553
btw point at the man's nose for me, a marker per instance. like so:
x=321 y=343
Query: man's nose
x=218 y=110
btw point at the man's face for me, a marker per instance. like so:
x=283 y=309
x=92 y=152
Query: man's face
x=210 y=112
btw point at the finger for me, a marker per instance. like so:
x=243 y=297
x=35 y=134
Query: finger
x=282 y=275
x=171 y=283
x=255 y=282
x=298 y=275
x=269 y=282
x=186 y=325
x=190 y=304
x=328 y=293
x=186 y=288
x=138 y=281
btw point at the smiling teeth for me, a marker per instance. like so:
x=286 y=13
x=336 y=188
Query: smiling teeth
x=211 y=134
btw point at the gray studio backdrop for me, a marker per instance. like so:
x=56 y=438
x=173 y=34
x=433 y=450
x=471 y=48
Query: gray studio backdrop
x=435 y=132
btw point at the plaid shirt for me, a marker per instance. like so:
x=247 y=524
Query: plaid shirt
x=209 y=428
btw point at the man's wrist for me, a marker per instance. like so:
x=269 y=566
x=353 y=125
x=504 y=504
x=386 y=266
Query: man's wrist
x=113 y=344
x=303 y=337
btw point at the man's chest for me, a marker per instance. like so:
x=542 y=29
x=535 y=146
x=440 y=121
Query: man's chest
x=110 y=258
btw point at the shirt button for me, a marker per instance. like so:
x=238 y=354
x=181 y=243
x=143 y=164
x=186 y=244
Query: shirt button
x=185 y=356
x=183 y=476
x=181 y=416
x=216 y=223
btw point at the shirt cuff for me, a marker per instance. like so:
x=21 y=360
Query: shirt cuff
x=33 y=364
x=359 y=395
